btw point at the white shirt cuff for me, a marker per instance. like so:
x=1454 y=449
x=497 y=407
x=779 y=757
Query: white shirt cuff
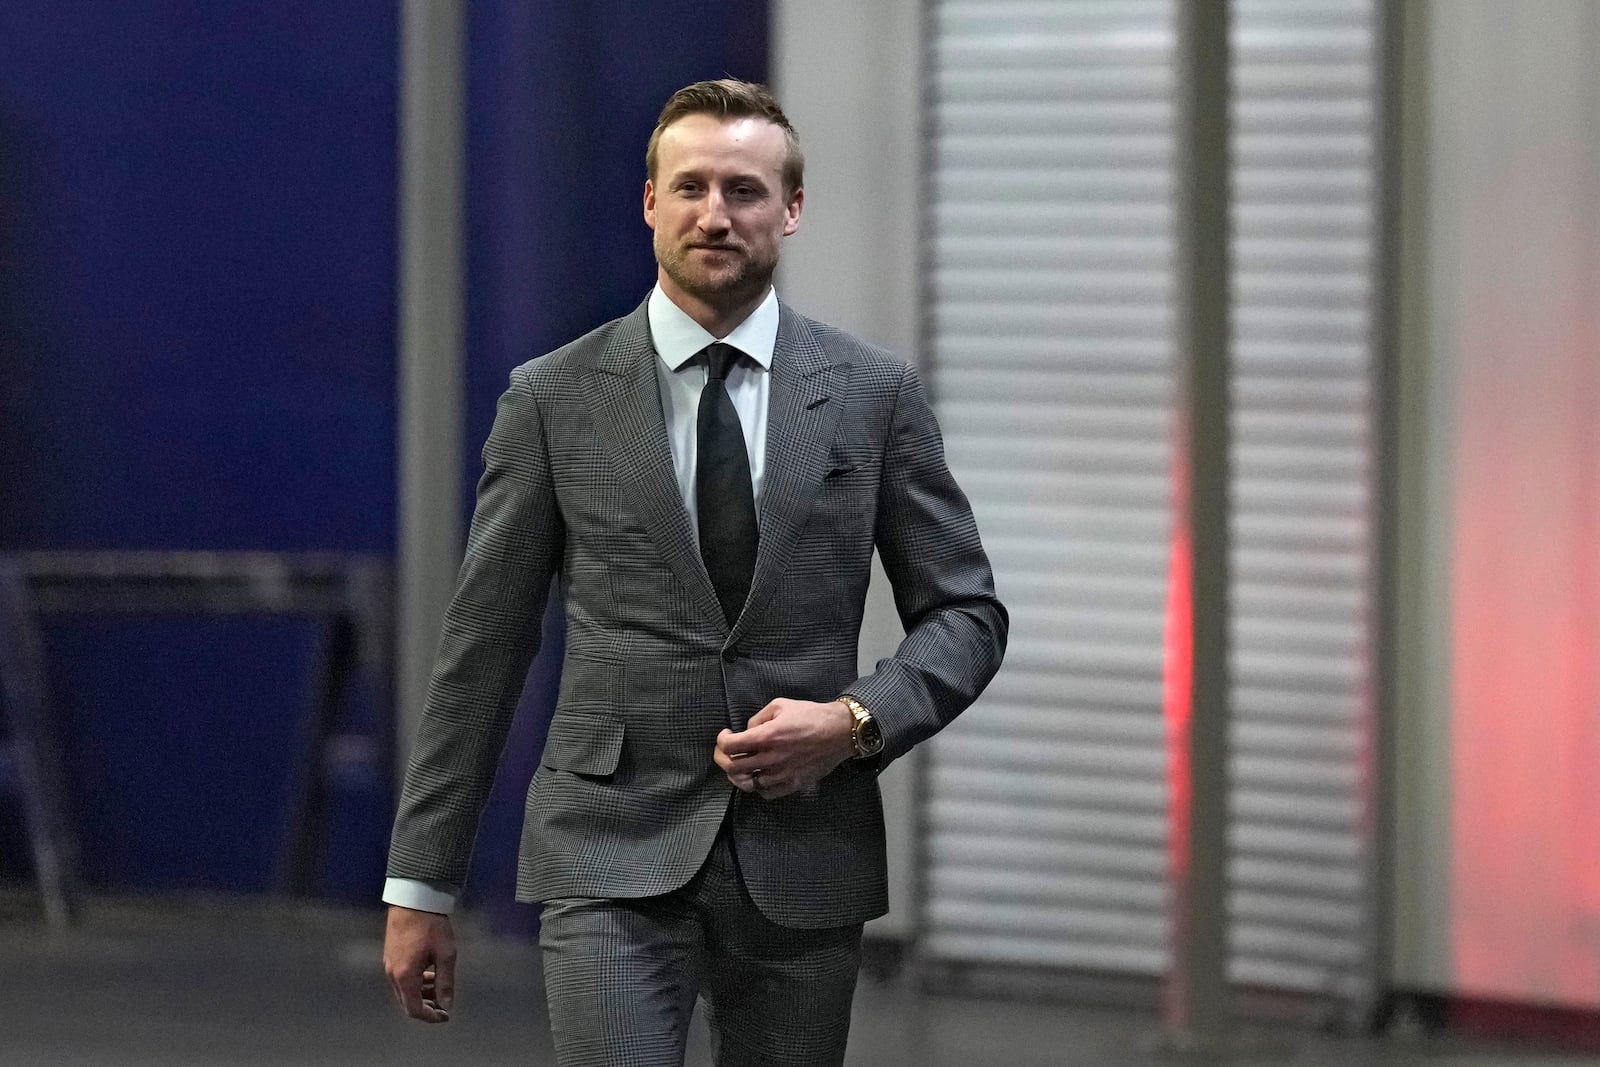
x=439 y=897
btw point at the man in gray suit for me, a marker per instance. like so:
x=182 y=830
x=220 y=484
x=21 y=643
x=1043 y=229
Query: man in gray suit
x=709 y=477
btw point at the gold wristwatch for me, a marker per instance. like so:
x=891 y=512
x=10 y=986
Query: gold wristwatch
x=866 y=735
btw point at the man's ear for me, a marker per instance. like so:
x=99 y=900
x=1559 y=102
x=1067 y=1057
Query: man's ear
x=649 y=203
x=791 y=212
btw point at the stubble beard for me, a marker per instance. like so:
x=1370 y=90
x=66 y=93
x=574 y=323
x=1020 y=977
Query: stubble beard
x=745 y=279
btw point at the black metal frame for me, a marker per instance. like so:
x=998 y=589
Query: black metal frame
x=353 y=593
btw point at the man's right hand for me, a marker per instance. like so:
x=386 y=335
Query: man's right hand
x=419 y=955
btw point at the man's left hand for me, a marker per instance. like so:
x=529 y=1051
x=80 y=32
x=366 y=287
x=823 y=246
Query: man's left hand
x=786 y=746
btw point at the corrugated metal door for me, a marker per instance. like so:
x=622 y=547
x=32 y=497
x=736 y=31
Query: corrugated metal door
x=1050 y=331
x=1304 y=180
x=1051 y=340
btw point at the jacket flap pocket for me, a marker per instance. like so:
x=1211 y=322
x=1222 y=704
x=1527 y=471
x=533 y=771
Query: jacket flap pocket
x=586 y=744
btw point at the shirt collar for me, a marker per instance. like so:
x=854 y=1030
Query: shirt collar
x=678 y=338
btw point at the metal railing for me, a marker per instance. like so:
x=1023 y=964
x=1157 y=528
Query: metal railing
x=353 y=593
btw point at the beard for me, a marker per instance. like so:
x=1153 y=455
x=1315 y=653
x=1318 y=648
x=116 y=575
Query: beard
x=743 y=276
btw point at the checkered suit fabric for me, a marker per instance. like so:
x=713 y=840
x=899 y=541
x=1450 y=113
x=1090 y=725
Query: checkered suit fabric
x=623 y=977
x=578 y=482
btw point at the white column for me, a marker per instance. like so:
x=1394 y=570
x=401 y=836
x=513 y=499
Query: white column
x=849 y=75
x=428 y=550
x=1197 y=1004
x=1502 y=749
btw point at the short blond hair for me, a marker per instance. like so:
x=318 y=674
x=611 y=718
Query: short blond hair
x=730 y=98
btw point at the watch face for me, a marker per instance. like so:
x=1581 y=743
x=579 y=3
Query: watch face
x=871 y=738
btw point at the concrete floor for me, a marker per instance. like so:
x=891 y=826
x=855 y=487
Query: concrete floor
x=228 y=982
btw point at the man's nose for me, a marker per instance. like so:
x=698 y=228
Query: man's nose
x=714 y=217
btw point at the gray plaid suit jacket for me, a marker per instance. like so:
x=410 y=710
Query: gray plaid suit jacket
x=578 y=482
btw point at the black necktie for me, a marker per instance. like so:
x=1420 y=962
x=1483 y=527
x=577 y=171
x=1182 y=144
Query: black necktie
x=724 y=495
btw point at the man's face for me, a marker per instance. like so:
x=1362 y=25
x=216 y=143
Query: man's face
x=718 y=207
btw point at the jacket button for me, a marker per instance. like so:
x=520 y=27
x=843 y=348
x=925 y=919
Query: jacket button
x=729 y=655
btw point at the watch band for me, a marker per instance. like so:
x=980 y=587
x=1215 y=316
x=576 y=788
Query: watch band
x=864 y=722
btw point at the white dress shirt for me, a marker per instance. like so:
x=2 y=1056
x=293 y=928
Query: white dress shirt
x=677 y=339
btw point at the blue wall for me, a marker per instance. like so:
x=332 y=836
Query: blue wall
x=197 y=333
x=199 y=339
x=207 y=216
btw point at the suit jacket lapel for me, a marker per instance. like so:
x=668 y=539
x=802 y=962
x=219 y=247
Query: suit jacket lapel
x=802 y=414
x=624 y=398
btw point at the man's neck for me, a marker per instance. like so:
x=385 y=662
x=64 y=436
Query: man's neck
x=719 y=320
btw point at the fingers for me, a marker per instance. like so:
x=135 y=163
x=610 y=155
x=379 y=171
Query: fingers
x=735 y=758
x=740 y=770
x=766 y=714
x=771 y=787
x=430 y=994
x=756 y=732
x=419 y=958
x=785 y=742
x=444 y=984
x=416 y=992
x=746 y=742
x=738 y=751
x=752 y=736
x=763 y=783
x=744 y=774
x=767 y=783
x=727 y=753
x=434 y=996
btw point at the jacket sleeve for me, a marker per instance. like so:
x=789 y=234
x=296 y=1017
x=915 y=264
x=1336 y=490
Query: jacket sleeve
x=491 y=633
x=943 y=586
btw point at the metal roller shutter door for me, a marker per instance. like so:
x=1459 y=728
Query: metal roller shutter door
x=1304 y=188
x=1051 y=340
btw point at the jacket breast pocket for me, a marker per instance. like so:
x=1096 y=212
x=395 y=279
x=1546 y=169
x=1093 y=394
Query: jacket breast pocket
x=846 y=498
x=849 y=475
x=584 y=744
